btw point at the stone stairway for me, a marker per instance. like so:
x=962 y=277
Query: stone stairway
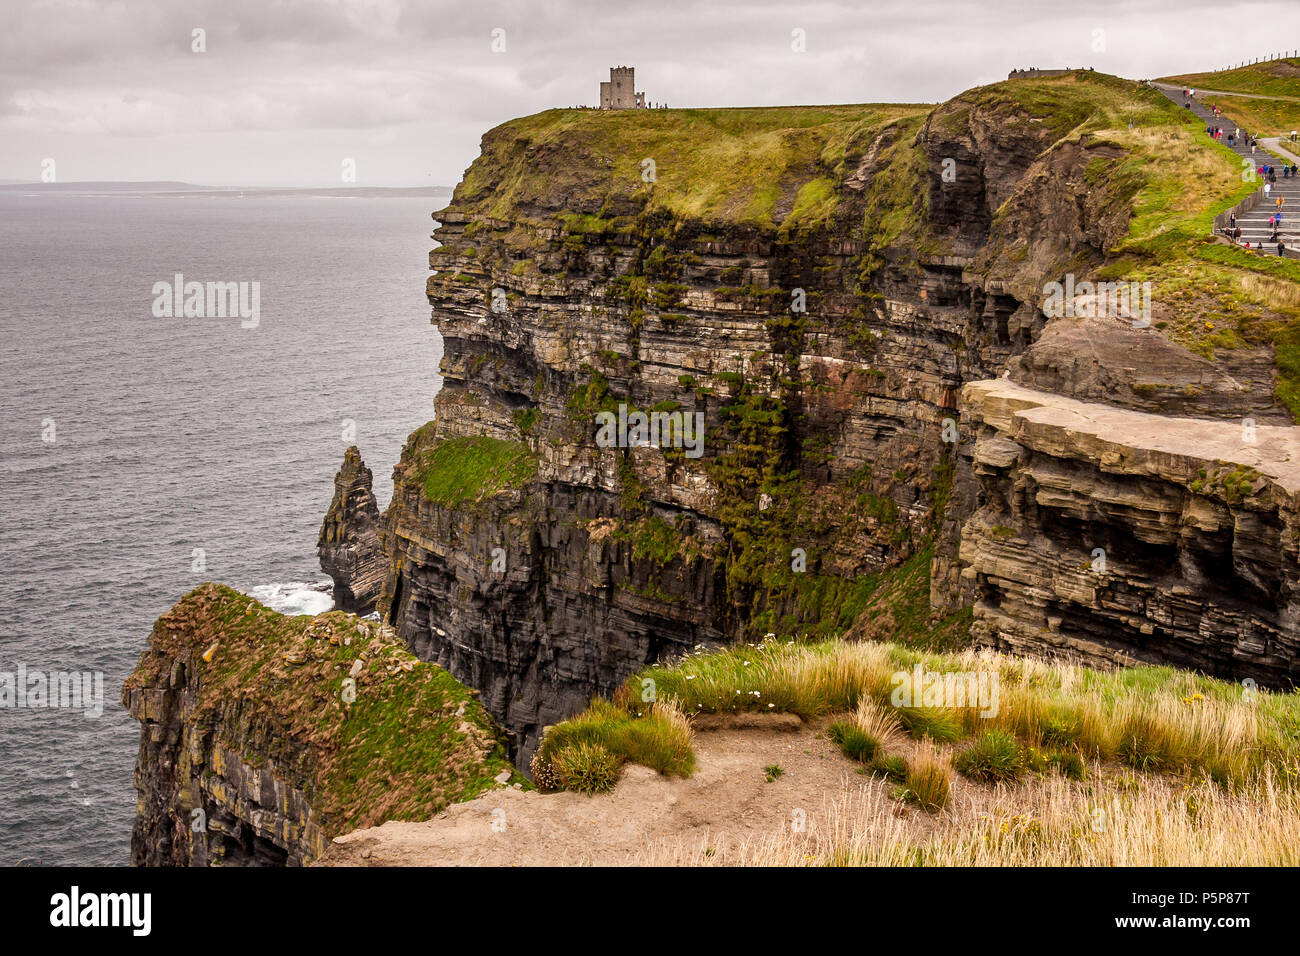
x=1254 y=225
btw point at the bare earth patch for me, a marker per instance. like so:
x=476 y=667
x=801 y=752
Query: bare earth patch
x=727 y=812
x=725 y=805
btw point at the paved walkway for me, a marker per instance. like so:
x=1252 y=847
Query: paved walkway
x=1255 y=227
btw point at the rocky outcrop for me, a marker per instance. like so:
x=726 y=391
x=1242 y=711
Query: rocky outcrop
x=263 y=736
x=1109 y=361
x=349 y=547
x=1105 y=535
x=820 y=315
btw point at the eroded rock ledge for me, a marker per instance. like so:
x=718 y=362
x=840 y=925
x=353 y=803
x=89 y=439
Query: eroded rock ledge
x=1105 y=535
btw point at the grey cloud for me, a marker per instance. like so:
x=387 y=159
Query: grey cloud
x=295 y=81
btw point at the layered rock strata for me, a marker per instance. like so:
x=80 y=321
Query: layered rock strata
x=897 y=257
x=349 y=547
x=1105 y=535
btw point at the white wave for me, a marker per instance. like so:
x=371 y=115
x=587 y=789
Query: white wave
x=296 y=597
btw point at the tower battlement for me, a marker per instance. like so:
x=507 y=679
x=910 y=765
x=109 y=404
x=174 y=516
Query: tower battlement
x=619 y=92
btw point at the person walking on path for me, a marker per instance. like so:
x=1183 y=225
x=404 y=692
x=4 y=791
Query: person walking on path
x=1268 y=188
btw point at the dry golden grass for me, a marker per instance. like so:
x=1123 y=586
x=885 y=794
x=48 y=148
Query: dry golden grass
x=1154 y=719
x=1276 y=294
x=1055 y=822
x=879 y=722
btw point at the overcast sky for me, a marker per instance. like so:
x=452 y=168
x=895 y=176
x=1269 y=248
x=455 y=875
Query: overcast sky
x=289 y=89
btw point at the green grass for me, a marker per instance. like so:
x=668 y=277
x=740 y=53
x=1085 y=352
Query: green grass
x=854 y=742
x=474 y=467
x=579 y=753
x=749 y=164
x=1151 y=718
x=994 y=756
x=585 y=767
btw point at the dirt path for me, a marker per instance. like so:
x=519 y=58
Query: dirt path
x=1245 y=96
x=727 y=803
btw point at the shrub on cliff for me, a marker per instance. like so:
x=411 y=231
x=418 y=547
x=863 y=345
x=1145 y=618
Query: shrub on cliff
x=993 y=756
x=928 y=782
x=865 y=736
x=587 y=752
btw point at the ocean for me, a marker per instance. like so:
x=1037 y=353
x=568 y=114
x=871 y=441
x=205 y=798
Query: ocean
x=141 y=455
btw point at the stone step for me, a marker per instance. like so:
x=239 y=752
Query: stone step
x=1254 y=224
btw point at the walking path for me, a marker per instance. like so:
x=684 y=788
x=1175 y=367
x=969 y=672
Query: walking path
x=1249 y=96
x=1255 y=226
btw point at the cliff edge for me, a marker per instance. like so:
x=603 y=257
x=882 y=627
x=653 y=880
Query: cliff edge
x=263 y=736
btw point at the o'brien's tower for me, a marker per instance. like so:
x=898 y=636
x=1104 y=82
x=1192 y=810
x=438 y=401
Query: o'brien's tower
x=620 y=92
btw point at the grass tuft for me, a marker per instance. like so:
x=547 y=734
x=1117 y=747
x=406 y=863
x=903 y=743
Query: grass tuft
x=994 y=756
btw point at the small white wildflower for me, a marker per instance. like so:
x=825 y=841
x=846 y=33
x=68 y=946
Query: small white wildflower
x=746 y=663
x=769 y=636
x=690 y=677
x=770 y=706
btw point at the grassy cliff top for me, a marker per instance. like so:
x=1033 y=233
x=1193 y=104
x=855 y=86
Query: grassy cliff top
x=412 y=741
x=766 y=166
x=1153 y=185
x=754 y=165
x=1159 y=720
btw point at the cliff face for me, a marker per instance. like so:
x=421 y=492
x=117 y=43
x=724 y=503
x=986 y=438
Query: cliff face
x=263 y=736
x=819 y=285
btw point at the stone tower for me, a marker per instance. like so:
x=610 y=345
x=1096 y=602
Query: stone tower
x=619 y=93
